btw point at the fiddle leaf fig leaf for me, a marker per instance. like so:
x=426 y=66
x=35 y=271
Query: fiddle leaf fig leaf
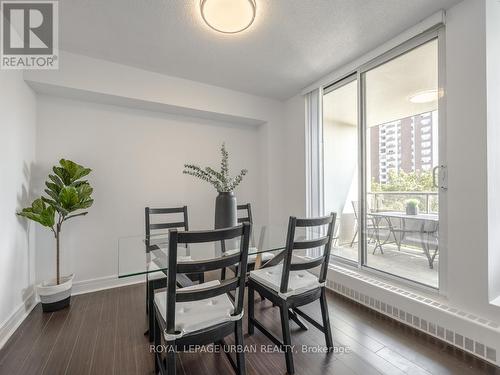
x=56 y=180
x=53 y=187
x=79 y=183
x=68 y=197
x=50 y=202
x=38 y=206
x=40 y=213
x=86 y=204
x=75 y=171
x=63 y=174
x=84 y=192
x=53 y=195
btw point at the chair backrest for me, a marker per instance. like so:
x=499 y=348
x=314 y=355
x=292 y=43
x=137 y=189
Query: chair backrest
x=291 y=245
x=236 y=283
x=246 y=217
x=150 y=226
x=247 y=208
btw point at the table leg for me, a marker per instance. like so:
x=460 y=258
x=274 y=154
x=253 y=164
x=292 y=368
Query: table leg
x=402 y=234
x=258 y=261
x=376 y=227
x=425 y=246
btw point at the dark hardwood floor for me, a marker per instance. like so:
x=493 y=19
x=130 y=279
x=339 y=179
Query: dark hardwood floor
x=102 y=333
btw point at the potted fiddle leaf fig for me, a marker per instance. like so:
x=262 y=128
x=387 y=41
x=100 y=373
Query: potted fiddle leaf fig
x=225 y=203
x=67 y=195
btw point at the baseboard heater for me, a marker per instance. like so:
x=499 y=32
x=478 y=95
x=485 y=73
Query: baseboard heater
x=475 y=335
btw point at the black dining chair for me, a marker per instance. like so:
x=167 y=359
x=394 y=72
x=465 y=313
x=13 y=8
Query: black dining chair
x=246 y=216
x=155 y=278
x=290 y=285
x=201 y=314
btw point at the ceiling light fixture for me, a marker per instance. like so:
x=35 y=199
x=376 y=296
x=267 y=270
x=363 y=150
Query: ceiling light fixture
x=228 y=16
x=423 y=97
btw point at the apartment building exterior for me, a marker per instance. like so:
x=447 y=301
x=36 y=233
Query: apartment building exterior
x=407 y=145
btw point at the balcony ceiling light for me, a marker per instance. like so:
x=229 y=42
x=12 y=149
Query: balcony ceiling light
x=422 y=97
x=228 y=16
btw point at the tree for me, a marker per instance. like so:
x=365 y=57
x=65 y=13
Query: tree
x=402 y=181
x=67 y=193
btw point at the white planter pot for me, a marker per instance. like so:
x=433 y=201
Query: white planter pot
x=55 y=296
x=412 y=210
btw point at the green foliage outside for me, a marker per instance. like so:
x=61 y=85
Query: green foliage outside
x=403 y=182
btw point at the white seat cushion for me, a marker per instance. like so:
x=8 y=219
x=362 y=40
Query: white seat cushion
x=299 y=281
x=195 y=315
x=252 y=256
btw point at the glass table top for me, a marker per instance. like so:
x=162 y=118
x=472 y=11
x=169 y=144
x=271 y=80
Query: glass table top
x=134 y=259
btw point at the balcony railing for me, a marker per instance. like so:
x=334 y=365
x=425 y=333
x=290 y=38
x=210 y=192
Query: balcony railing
x=395 y=200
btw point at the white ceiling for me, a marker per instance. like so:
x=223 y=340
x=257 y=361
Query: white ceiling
x=388 y=90
x=291 y=44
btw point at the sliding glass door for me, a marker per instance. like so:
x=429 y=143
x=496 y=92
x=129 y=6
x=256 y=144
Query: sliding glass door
x=401 y=160
x=340 y=154
x=383 y=168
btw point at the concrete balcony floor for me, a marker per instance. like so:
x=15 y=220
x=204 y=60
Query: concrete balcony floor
x=409 y=263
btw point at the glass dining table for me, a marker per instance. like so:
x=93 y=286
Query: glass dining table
x=141 y=254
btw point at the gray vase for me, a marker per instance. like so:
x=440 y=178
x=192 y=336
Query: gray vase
x=225 y=210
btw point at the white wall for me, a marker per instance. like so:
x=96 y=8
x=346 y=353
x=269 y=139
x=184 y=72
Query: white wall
x=17 y=152
x=340 y=154
x=114 y=141
x=98 y=80
x=493 y=108
x=292 y=146
x=137 y=159
x=467 y=158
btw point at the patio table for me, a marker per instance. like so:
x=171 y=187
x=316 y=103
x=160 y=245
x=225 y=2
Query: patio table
x=427 y=227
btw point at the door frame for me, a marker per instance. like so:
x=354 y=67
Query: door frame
x=358 y=73
x=435 y=33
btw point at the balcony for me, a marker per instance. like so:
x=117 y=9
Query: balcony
x=399 y=244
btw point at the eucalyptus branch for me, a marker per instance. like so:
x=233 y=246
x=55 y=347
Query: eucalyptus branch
x=194 y=170
x=221 y=180
x=224 y=163
x=237 y=180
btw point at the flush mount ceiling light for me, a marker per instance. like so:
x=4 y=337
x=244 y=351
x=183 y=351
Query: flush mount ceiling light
x=423 y=97
x=228 y=16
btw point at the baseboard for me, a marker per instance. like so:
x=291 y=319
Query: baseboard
x=9 y=326
x=102 y=283
x=466 y=331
